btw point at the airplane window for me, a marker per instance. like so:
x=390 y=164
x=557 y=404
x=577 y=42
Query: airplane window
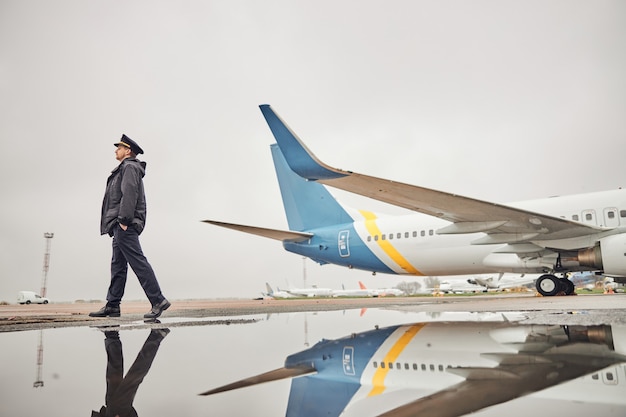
x=609 y=376
x=423 y=367
x=369 y=238
x=390 y=365
x=610 y=214
x=431 y=232
x=414 y=234
x=398 y=365
x=595 y=376
x=575 y=217
x=423 y=233
x=588 y=216
x=384 y=237
x=440 y=368
x=622 y=213
x=382 y=365
x=432 y=367
x=406 y=366
x=415 y=367
x=390 y=236
x=406 y=234
x=375 y=364
x=376 y=237
x=399 y=236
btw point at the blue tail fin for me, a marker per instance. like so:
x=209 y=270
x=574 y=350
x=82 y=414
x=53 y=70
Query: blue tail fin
x=298 y=157
x=308 y=205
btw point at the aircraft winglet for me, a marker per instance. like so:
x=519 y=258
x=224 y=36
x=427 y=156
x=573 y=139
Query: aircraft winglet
x=301 y=161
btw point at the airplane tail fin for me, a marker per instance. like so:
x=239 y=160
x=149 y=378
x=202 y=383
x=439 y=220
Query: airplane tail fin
x=270 y=291
x=308 y=204
x=362 y=286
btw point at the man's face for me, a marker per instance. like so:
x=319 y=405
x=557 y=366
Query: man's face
x=122 y=152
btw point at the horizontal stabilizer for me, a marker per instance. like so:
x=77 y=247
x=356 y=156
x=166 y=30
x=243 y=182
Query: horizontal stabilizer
x=282 y=235
x=275 y=375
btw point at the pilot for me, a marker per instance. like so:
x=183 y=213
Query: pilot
x=123 y=218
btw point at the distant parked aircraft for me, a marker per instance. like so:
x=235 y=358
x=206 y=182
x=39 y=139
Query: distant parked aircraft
x=505 y=283
x=276 y=294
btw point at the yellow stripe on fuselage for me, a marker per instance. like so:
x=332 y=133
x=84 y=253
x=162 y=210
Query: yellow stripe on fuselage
x=385 y=245
x=378 y=380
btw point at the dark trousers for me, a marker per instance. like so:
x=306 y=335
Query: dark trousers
x=127 y=251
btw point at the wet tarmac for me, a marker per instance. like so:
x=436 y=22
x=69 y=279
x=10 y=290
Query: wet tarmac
x=58 y=361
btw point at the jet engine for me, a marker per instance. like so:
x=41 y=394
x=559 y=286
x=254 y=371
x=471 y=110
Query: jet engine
x=609 y=255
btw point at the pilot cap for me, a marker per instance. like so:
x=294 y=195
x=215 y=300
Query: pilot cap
x=129 y=143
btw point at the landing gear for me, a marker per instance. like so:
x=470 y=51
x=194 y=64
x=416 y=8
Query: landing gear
x=549 y=285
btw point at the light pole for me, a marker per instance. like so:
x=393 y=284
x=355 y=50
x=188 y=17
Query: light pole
x=46 y=263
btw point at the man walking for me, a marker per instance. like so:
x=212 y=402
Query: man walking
x=123 y=218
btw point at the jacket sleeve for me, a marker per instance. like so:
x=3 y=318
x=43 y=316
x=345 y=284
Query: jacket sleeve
x=131 y=182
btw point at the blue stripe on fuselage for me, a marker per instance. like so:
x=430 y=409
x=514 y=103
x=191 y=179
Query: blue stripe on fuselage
x=324 y=247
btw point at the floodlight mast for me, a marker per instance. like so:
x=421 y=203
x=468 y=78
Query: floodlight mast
x=46 y=263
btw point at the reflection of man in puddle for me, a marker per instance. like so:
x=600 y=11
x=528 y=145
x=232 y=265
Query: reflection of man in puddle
x=121 y=389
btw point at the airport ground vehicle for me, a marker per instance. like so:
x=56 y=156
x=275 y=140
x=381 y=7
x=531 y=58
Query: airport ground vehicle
x=28 y=297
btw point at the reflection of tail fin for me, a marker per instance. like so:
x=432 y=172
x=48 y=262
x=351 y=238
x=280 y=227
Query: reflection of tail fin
x=308 y=205
x=362 y=286
x=315 y=397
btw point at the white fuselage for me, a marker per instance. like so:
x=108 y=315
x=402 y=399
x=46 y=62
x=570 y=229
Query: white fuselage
x=410 y=244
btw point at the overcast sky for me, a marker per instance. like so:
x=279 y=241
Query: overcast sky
x=498 y=100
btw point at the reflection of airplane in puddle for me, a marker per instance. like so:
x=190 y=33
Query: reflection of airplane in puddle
x=503 y=282
x=452 y=369
x=458 y=235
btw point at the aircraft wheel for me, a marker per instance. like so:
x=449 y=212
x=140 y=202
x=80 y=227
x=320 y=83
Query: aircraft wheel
x=27 y=301
x=568 y=286
x=548 y=285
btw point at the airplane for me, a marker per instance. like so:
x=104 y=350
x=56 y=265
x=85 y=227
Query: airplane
x=313 y=291
x=360 y=292
x=586 y=280
x=450 y=287
x=276 y=294
x=449 y=369
x=363 y=291
x=383 y=292
x=502 y=284
x=448 y=234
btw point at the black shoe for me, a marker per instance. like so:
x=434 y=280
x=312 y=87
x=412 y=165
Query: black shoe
x=106 y=311
x=157 y=310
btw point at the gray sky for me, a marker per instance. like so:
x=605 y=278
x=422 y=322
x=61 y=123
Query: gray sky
x=497 y=100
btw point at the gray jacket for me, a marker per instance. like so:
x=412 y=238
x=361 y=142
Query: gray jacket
x=124 y=199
